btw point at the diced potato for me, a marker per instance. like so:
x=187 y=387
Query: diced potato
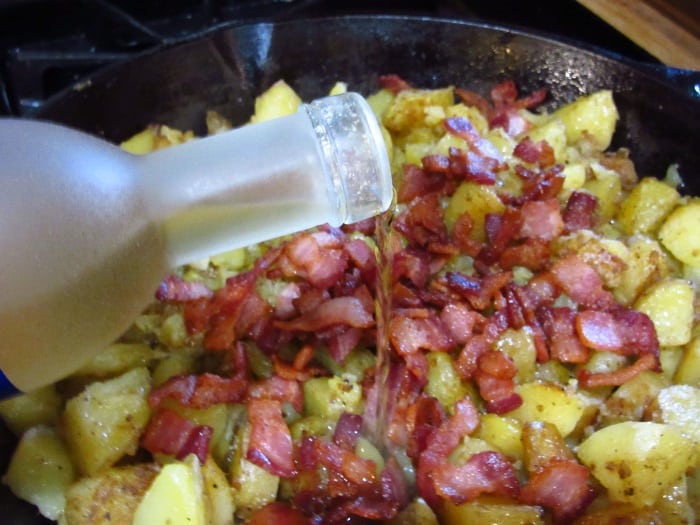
x=218 y=497
x=488 y=510
x=554 y=133
x=574 y=176
x=105 y=421
x=172 y=332
x=380 y=101
x=670 y=357
x=646 y=263
x=674 y=505
x=688 y=371
x=366 y=450
x=110 y=498
x=40 y=471
x=607 y=188
x=595 y=114
x=550 y=404
x=216 y=123
x=417 y=512
x=117 y=358
x=631 y=400
x=329 y=397
x=407 y=109
x=503 y=433
x=680 y=233
x=141 y=143
x=252 y=487
x=542 y=443
x=608 y=256
x=646 y=207
x=24 y=411
x=175 y=363
x=679 y=405
x=637 y=461
x=444 y=382
x=338 y=88
x=176 y=496
x=519 y=345
x=669 y=304
x=278 y=101
x=476 y=199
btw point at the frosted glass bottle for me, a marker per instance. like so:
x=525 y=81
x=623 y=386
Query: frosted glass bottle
x=87 y=231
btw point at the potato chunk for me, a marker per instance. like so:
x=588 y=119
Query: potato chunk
x=40 y=471
x=680 y=233
x=549 y=404
x=647 y=205
x=637 y=461
x=104 y=422
x=110 y=498
x=595 y=114
x=669 y=304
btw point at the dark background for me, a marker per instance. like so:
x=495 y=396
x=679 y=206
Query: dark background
x=46 y=45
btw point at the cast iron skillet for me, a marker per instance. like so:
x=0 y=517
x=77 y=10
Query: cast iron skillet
x=225 y=70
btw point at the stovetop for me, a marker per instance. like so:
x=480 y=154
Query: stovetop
x=46 y=45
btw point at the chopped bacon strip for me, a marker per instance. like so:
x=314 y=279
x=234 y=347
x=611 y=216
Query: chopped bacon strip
x=541 y=220
x=278 y=389
x=582 y=283
x=484 y=473
x=394 y=83
x=408 y=334
x=417 y=182
x=199 y=391
x=422 y=221
x=598 y=330
x=175 y=289
x=339 y=310
x=357 y=470
x=579 y=211
x=618 y=377
x=471 y=98
x=461 y=127
x=559 y=325
x=534 y=152
x=270 y=445
x=561 y=486
x=494 y=377
x=317 y=257
x=347 y=430
x=278 y=513
x=170 y=433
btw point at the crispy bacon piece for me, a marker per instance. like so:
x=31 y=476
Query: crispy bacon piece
x=495 y=378
x=278 y=513
x=340 y=310
x=416 y=182
x=598 y=330
x=175 y=289
x=533 y=254
x=461 y=127
x=316 y=257
x=278 y=389
x=486 y=472
x=540 y=152
x=582 y=283
x=393 y=83
x=199 y=391
x=561 y=486
x=578 y=214
x=467 y=165
x=170 y=433
x=270 y=445
x=409 y=334
x=440 y=443
x=479 y=292
x=471 y=98
x=619 y=377
x=422 y=221
x=541 y=220
x=559 y=325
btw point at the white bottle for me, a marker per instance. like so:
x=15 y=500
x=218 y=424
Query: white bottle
x=87 y=231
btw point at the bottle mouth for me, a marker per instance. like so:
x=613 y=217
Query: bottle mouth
x=353 y=147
